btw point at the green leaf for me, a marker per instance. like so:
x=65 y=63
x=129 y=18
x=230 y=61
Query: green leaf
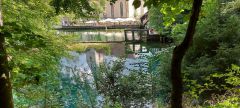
x=136 y=4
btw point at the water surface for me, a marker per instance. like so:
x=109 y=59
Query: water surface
x=78 y=71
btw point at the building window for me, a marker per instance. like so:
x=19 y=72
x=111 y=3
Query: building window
x=112 y=11
x=121 y=9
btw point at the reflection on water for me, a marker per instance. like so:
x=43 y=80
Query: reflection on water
x=133 y=54
x=97 y=36
x=103 y=35
x=78 y=71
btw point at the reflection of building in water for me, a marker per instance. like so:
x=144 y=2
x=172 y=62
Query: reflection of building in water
x=83 y=65
x=123 y=9
x=134 y=61
x=94 y=58
x=118 y=50
x=139 y=48
x=87 y=62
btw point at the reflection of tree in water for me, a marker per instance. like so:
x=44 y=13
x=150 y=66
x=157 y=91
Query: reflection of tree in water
x=132 y=90
x=137 y=88
x=77 y=88
x=98 y=37
x=114 y=37
x=106 y=38
x=81 y=37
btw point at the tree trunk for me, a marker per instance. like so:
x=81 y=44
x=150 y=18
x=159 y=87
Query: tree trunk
x=6 y=100
x=178 y=53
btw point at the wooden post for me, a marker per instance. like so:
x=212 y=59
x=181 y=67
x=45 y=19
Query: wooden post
x=147 y=35
x=141 y=48
x=140 y=37
x=133 y=37
x=141 y=33
x=125 y=33
x=134 y=47
x=161 y=39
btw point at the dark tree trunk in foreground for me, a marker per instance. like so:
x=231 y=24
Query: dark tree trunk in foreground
x=6 y=100
x=178 y=53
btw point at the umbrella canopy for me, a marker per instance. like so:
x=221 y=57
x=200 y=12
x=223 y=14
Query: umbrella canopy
x=102 y=21
x=130 y=19
x=89 y=22
x=109 y=20
x=120 y=19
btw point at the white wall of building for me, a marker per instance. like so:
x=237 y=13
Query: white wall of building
x=136 y=13
x=128 y=10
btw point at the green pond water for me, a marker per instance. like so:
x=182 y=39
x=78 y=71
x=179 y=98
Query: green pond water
x=81 y=67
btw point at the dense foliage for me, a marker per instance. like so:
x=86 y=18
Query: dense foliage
x=219 y=31
x=81 y=8
x=211 y=66
x=33 y=51
x=131 y=89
